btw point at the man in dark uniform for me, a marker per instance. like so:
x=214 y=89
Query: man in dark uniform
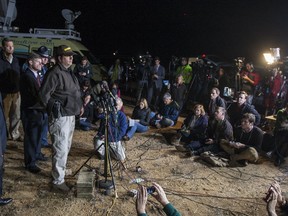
x=60 y=94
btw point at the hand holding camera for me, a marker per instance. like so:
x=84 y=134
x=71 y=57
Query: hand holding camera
x=274 y=197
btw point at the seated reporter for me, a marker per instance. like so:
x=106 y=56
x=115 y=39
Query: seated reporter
x=215 y=101
x=219 y=128
x=160 y=196
x=248 y=140
x=239 y=108
x=116 y=130
x=140 y=118
x=194 y=127
x=168 y=115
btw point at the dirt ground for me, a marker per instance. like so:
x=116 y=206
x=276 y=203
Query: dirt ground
x=192 y=186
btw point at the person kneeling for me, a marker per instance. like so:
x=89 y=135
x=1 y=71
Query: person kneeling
x=117 y=129
x=248 y=139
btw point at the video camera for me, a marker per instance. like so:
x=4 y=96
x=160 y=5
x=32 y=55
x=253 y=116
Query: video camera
x=147 y=59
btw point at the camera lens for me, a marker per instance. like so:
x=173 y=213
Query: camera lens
x=150 y=190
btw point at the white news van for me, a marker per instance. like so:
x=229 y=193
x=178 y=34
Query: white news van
x=24 y=43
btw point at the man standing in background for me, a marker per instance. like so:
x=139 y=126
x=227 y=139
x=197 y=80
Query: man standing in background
x=9 y=87
x=156 y=82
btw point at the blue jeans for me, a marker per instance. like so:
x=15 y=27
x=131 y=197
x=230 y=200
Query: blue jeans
x=136 y=128
x=85 y=125
x=194 y=145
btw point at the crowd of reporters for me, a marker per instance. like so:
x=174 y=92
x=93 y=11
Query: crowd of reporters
x=230 y=125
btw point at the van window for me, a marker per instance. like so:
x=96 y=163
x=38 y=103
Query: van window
x=77 y=58
x=91 y=58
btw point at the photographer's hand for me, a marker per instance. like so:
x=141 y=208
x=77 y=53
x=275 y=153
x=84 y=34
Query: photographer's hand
x=141 y=200
x=160 y=196
x=272 y=202
x=281 y=200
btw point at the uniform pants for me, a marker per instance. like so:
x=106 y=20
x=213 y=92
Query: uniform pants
x=61 y=131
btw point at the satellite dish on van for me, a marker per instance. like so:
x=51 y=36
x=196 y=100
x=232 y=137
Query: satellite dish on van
x=8 y=12
x=70 y=16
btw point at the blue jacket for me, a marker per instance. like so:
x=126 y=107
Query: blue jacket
x=117 y=126
x=236 y=113
x=200 y=127
x=170 y=111
x=219 y=102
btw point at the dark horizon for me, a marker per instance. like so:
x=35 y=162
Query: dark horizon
x=168 y=27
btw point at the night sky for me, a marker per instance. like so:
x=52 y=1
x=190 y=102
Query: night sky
x=228 y=28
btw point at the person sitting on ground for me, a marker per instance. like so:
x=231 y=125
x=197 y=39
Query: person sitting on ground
x=142 y=197
x=274 y=197
x=247 y=143
x=215 y=101
x=281 y=136
x=219 y=128
x=117 y=129
x=194 y=127
x=168 y=115
x=239 y=108
x=140 y=120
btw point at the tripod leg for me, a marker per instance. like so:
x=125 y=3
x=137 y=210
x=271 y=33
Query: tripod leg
x=88 y=159
x=139 y=92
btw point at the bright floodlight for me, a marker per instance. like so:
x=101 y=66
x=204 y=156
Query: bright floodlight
x=269 y=58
